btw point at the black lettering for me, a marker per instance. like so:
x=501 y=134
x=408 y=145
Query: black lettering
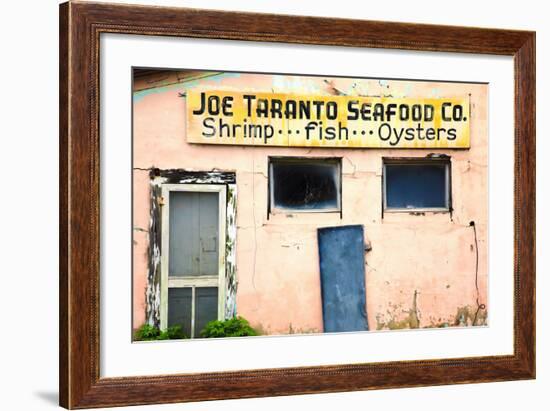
x=398 y=135
x=200 y=110
x=404 y=112
x=378 y=112
x=290 y=109
x=342 y=130
x=330 y=133
x=390 y=111
x=353 y=111
x=213 y=105
x=457 y=113
x=225 y=127
x=310 y=127
x=268 y=132
x=318 y=108
x=305 y=109
x=430 y=134
x=428 y=112
x=332 y=110
x=248 y=98
x=419 y=130
x=387 y=132
x=444 y=115
x=416 y=112
x=366 y=112
x=276 y=106
x=409 y=134
x=262 y=109
x=207 y=123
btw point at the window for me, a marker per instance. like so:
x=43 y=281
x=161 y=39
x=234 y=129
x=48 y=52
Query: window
x=304 y=184
x=417 y=184
x=193 y=256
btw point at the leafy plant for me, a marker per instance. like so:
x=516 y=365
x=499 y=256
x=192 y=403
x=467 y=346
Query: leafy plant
x=172 y=333
x=151 y=333
x=146 y=333
x=234 y=327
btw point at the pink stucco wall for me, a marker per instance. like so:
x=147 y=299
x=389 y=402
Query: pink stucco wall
x=431 y=256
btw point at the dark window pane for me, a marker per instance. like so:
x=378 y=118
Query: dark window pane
x=193 y=233
x=305 y=185
x=206 y=309
x=416 y=186
x=179 y=308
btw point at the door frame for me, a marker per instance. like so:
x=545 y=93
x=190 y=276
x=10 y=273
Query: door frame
x=201 y=281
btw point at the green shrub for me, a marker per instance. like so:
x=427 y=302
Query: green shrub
x=172 y=333
x=234 y=327
x=151 y=333
x=146 y=333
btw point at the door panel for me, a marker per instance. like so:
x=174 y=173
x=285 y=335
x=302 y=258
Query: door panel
x=342 y=267
x=208 y=233
x=193 y=236
x=207 y=307
x=179 y=308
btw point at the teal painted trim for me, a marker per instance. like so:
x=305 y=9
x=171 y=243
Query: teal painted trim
x=182 y=86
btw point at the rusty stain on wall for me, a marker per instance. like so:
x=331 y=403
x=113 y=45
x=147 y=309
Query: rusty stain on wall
x=397 y=318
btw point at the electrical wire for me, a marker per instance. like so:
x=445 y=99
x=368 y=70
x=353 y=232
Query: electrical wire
x=479 y=306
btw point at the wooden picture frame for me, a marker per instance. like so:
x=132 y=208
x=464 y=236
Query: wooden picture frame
x=80 y=27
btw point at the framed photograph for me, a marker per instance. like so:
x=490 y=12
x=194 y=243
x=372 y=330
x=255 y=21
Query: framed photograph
x=260 y=205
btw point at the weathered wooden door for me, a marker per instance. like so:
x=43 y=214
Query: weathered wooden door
x=193 y=256
x=342 y=266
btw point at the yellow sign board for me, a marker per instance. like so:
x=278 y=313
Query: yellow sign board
x=291 y=120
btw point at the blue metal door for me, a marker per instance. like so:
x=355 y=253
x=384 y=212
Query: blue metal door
x=342 y=265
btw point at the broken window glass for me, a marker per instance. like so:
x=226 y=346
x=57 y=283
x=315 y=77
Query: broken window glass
x=305 y=184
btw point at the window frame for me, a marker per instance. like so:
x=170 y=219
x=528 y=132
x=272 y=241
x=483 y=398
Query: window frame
x=167 y=281
x=418 y=161
x=272 y=209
